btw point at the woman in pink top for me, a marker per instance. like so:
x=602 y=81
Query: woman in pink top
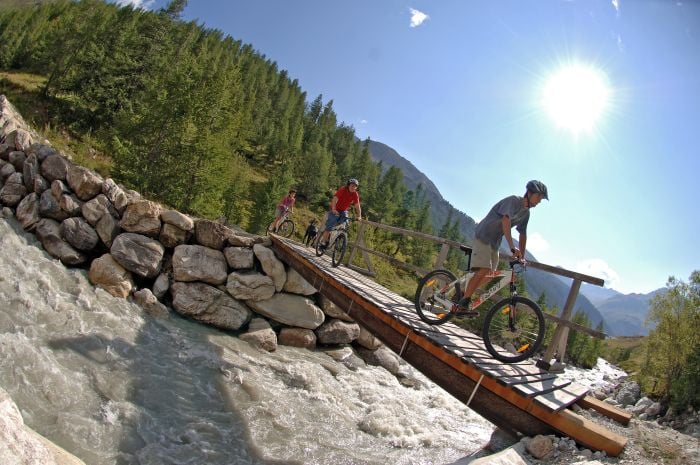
x=286 y=205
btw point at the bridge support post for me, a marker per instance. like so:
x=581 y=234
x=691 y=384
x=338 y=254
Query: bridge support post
x=561 y=333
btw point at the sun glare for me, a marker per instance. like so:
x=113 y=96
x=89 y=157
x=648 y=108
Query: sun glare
x=575 y=97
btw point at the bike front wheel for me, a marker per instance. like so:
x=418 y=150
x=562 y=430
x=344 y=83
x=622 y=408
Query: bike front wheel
x=513 y=329
x=339 y=246
x=286 y=229
x=433 y=297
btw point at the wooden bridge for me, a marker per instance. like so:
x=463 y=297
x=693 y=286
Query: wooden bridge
x=519 y=398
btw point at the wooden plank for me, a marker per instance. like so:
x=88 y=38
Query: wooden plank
x=610 y=411
x=562 y=398
x=512 y=380
x=537 y=388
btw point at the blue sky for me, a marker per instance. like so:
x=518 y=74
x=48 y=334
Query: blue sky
x=457 y=88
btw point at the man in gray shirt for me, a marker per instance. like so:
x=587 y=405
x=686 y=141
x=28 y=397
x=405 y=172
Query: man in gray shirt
x=511 y=212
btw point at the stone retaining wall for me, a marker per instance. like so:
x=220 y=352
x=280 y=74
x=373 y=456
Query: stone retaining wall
x=138 y=249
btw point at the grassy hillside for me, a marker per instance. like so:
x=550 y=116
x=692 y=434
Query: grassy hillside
x=625 y=352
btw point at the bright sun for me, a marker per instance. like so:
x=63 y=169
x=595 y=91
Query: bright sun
x=575 y=97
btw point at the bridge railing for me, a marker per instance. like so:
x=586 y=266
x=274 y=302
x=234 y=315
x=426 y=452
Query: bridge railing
x=557 y=346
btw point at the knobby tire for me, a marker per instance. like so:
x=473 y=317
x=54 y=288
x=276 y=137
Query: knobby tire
x=429 y=310
x=513 y=341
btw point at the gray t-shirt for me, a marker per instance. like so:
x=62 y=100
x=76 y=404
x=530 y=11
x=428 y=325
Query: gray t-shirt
x=490 y=230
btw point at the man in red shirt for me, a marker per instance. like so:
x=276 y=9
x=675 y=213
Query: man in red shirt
x=342 y=199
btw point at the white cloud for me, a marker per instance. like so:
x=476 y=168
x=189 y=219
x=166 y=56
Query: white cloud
x=143 y=4
x=600 y=269
x=616 y=4
x=363 y=121
x=536 y=244
x=417 y=17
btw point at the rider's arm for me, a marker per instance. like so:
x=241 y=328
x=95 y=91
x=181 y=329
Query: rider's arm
x=333 y=202
x=521 y=244
x=505 y=222
x=358 y=211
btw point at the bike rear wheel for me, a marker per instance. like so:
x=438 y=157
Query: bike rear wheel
x=513 y=329
x=433 y=286
x=286 y=229
x=339 y=246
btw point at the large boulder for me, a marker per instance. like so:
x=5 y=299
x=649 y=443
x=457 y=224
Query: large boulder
x=85 y=183
x=79 y=234
x=367 y=340
x=48 y=232
x=139 y=254
x=239 y=258
x=28 y=212
x=199 y=263
x=335 y=331
x=30 y=170
x=107 y=273
x=271 y=265
x=172 y=236
x=209 y=305
x=332 y=310
x=296 y=284
x=211 y=234
x=21 y=445
x=142 y=217
x=250 y=286
x=177 y=219
x=55 y=167
x=13 y=191
x=382 y=357
x=107 y=228
x=298 y=337
x=260 y=335
x=115 y=194
x=50 y=208
x=290 y=310
x=96 y=208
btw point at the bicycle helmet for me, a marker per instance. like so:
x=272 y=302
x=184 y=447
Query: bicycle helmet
x=537 y=186
x=353 y=181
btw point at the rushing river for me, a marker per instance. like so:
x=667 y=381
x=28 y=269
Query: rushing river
x=113 y=385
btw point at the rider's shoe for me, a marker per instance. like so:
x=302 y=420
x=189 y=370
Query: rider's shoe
x=462 y=308
x=323 y=246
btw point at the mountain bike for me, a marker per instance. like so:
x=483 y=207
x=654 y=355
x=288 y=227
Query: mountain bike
x=286 y=227
x=337 y=242
x=513 y=329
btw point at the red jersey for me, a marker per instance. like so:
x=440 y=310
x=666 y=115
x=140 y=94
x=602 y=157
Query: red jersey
x=346 y=198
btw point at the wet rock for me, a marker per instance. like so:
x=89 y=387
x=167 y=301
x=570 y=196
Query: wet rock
x=150 y=304
x=139 y=254
x=28 y=212
x=261 y=335
x=367 y=340
x=209 y=305
x=48 y=232
x=382 y=357
x=336 y=331
x=161 y=286
x=106 y=273
x=298 y=337
x=290 y=310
